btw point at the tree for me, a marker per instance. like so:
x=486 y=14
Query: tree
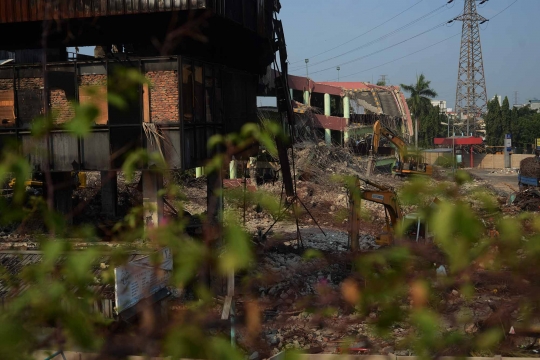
x=430 y=127
x=494 y=124
x=418 y=102
x=506 y=115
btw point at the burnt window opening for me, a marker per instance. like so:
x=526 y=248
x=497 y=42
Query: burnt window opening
x=317 y=101
x=202 y=108
x=336 y=106
x=298 y=95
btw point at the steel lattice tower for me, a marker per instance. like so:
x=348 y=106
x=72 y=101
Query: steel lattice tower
x=471 y=94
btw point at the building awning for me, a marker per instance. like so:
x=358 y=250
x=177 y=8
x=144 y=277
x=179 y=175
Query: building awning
x=439 y=150
x=459 y=140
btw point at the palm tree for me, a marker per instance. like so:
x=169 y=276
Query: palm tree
x=419 y=103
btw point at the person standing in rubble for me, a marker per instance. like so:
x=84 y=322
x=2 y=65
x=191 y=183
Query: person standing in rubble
x=537 y=155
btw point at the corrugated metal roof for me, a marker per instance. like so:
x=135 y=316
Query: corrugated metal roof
x=37 y=10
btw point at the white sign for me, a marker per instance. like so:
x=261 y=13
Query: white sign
x=140 y=279
x=508 y=142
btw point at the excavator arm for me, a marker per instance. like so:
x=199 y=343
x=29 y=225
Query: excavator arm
x=380 y=130
x=383 y=195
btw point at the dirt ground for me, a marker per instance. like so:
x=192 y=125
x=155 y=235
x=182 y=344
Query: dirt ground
x=287 y=321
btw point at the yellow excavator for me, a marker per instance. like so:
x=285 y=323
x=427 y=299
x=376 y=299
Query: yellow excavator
x=407 y=164
x=37 y=181
x=393 y=214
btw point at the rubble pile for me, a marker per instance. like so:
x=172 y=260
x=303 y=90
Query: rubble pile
x=318 y=162
x=530 y=167
x=527 y=200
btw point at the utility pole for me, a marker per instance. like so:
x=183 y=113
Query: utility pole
x=338 y=68
x=383 y=79
x=307 y=72
x=515 y=97
x=471 y=94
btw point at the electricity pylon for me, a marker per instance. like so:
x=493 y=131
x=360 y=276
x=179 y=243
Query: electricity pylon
x=471 y=94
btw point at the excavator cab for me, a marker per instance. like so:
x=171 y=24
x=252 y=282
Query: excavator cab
x=407 y=163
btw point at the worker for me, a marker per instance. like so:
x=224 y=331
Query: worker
x=537 y=155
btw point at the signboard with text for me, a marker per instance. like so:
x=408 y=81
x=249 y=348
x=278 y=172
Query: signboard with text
x=140 y=279
x=508 y=142
x=537 y=144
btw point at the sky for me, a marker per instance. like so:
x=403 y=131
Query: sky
x=323 y=31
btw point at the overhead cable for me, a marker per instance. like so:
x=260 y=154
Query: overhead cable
x=400 y=58
x=384 y=49
x=359 y=36
x=376 y=40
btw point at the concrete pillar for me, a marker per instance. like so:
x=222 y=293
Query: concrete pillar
x=327 y=109
x=327 y=112
x=109 y=193
x=346 y=115
x=232 y=169
x=253 y=170
x=291 y=93
x=62 y=194
x=306 y=97
x=199 y=171
x=152 y=182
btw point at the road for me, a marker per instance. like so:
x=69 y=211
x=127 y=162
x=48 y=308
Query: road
x=502 y=180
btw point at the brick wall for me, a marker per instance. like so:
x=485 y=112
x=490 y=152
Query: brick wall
x=164 y=99
x=87 y=80
x=60 y=106
x=29 y=83
x=96 y=96
x=6 y=84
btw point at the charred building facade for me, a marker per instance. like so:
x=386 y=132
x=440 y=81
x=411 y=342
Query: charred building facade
x=203 y=59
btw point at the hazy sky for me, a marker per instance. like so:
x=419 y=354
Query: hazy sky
x=510 y=42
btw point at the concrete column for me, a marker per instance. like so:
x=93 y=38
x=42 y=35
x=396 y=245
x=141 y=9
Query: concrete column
x=62 y=194
x=109 y=193
x=327 y=112
x=152 y=182
x=199 y=171
x=291 y=93
x=306 y=97
x=253 y=170
x=232 y=169
x=327 y=109
x=346 y=115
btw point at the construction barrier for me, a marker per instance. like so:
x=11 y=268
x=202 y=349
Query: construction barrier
x=481 y=161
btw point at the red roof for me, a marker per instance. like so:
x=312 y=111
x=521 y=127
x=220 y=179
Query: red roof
x=468 y=140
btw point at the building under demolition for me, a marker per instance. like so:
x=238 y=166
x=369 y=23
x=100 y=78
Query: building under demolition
x=344 y=112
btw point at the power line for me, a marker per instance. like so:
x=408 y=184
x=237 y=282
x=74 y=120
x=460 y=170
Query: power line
x=400 y=58
x=359 y=36
x=418 y=51
x=378 y=39
x=384 y=49
x=503 y=10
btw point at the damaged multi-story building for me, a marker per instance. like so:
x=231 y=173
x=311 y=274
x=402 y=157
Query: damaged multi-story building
x=344 y=112
x=203 y=59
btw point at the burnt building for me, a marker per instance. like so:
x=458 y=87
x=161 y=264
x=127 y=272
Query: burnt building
x=203 y=59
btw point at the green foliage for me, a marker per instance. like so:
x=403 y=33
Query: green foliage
x=495 y=124
x=420 y=93
x=431 y=127
x=523 y=123
x=386 y=288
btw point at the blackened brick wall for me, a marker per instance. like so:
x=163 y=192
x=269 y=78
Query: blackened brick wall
x=163 y=95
